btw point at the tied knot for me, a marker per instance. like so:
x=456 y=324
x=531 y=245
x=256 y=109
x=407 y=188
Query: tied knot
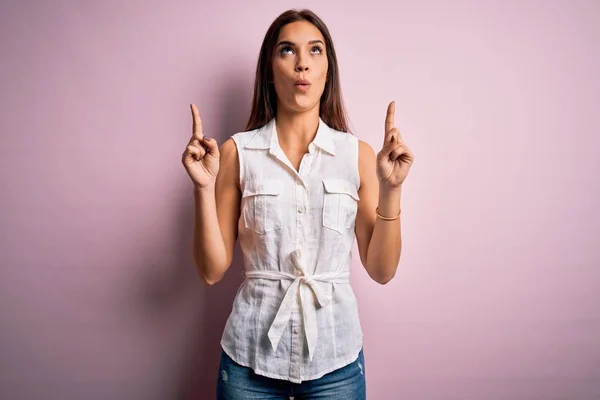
x=312 y=292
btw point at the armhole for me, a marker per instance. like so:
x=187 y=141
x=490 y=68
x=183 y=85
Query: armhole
x=240 y=160
x=357 y=161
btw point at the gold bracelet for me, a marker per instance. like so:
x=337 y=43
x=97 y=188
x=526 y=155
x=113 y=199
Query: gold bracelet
x=387 y=218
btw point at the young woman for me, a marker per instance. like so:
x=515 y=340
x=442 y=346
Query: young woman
x=296 y=189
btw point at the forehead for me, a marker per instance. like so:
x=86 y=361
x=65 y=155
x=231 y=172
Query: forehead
x=300 y=32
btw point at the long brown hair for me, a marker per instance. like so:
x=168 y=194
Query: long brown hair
x=264 y=102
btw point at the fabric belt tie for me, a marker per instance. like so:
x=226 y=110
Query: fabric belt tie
x=311 y=290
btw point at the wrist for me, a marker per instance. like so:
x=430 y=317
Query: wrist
x=385 y=189
x=389 y=205
x=386 y=217
x=389 y=196
x=203 y=190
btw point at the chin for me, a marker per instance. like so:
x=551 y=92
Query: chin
x=303 y=104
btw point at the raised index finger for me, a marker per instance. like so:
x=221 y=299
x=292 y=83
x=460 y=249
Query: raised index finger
x=197 y=125
x=389 y=118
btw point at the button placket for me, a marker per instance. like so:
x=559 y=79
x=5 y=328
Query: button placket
x=296 y=346
x=301 y=212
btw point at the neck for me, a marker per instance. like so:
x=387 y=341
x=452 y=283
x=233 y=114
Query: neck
x=297 y=129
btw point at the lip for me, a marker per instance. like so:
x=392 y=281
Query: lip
x=302 y=85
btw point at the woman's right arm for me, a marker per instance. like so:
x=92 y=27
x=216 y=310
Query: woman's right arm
x=217 y=209
x=217 y=196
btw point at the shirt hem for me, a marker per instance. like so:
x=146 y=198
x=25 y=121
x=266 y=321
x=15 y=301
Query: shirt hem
x=344 y=362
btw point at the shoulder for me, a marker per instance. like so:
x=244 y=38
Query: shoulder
x=228 y=148
x=232 y=153
x=366 y=155
x=367 y=162
x=238 y=141
x=229 y=161
x=365 y=150
x=349 y=143
x=243 y=138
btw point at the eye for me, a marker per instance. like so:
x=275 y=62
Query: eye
x=318 y=49
x=284 y=50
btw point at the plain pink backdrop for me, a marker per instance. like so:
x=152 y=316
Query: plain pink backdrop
x=497 y=293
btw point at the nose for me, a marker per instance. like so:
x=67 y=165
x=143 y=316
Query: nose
x=301 y=67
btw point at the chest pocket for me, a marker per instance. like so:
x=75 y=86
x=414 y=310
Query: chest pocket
x=340 y=203
x=260 y=205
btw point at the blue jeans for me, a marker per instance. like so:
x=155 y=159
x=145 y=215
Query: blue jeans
x=237 y=382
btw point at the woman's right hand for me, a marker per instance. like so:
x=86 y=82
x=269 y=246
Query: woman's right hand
x=201 y=156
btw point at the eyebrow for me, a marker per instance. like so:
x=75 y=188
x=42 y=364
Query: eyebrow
x=290 y=43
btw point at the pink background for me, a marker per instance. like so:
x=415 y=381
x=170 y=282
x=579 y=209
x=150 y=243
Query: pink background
x=497 y=293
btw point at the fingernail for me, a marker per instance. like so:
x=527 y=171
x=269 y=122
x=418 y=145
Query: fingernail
x=207 y=138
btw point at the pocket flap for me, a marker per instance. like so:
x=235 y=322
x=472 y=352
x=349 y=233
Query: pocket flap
x=271 y=187
x=341 y=186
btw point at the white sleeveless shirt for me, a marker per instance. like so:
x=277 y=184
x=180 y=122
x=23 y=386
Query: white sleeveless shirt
x=295 y=315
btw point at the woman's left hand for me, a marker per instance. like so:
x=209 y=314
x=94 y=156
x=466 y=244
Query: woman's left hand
x=395 y=158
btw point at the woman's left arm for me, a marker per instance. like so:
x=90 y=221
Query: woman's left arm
x=378 y=226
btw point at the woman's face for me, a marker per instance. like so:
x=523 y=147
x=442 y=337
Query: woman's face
x=299 y=67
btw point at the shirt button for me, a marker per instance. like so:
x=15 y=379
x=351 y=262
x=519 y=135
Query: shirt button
x=301 y=209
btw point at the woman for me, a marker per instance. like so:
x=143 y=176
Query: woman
x=296 y=189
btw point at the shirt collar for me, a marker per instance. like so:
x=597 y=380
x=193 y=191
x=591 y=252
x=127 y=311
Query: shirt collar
x=266 y=138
